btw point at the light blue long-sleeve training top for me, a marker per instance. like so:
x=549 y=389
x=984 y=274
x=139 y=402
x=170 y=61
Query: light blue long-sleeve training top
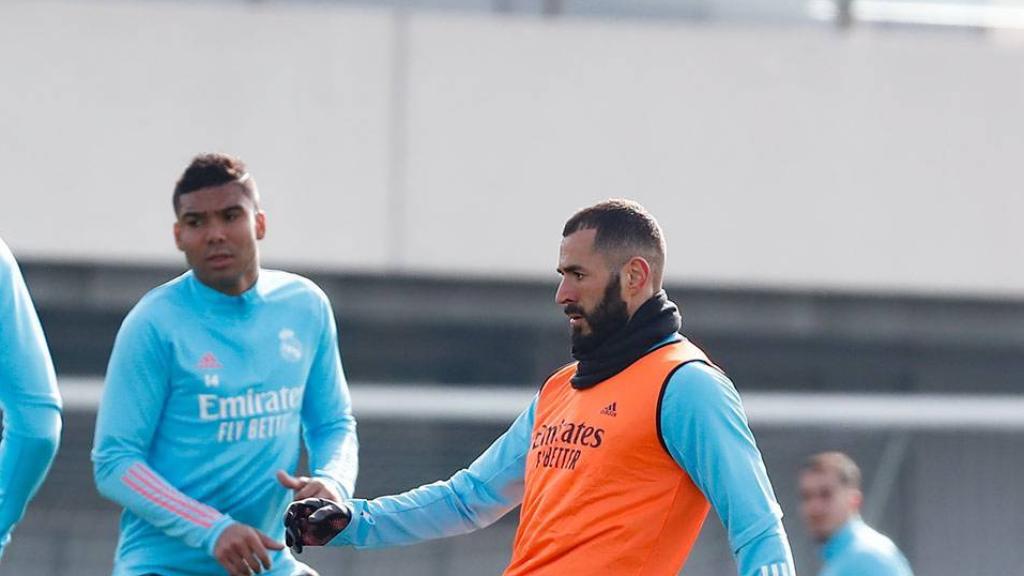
x=705 y=429
x=856 y=549
x=28 y=397
x=203 y=402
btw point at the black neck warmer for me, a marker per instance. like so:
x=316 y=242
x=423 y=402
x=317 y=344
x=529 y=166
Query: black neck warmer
x=654 y=321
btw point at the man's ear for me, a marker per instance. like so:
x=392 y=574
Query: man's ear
x=856 y=500
x=636 y=274
x=261 y=224
x=177 y=236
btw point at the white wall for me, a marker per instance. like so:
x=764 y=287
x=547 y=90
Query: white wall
x=102 y=104
x=773 y=156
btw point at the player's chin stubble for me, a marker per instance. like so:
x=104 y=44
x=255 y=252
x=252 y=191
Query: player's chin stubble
x=607 y=318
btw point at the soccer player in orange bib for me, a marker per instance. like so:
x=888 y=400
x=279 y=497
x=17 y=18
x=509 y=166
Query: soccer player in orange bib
x=619 y=457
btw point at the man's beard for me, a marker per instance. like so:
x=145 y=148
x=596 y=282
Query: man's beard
x=608 y=317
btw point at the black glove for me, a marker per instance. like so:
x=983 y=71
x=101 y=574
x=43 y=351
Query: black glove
x=313 y=522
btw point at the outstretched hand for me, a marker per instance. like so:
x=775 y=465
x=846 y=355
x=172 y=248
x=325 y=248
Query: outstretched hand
x=306 y=487
x=314 y=522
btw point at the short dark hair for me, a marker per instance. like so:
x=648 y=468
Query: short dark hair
x=624 y=229
x=214 y=169
x=844 y=467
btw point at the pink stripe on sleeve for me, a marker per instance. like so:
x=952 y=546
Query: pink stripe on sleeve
x=165 y=505
x=157 y=484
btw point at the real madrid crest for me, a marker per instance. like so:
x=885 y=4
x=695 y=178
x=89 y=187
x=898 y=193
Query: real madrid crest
x=290 y=347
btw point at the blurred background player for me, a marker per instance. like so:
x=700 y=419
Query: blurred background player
x=618 y=456
x=29 y=398
x=831 y=498
x=209 y=380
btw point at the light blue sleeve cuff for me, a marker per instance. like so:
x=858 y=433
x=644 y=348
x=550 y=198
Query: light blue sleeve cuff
x=766 y=553
x=215 y=531
x=356 y=509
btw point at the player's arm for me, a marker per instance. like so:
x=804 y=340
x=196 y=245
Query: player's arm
x=133 y=400
x=329 y=429
x=471 y=499
x=705 y=429
x=28 y=397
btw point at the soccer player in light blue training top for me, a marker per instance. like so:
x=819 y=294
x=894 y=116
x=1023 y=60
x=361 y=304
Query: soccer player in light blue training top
x=210 y=378
x=28 y=397
x=830 y=500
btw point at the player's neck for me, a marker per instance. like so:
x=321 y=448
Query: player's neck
x=238 y=286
